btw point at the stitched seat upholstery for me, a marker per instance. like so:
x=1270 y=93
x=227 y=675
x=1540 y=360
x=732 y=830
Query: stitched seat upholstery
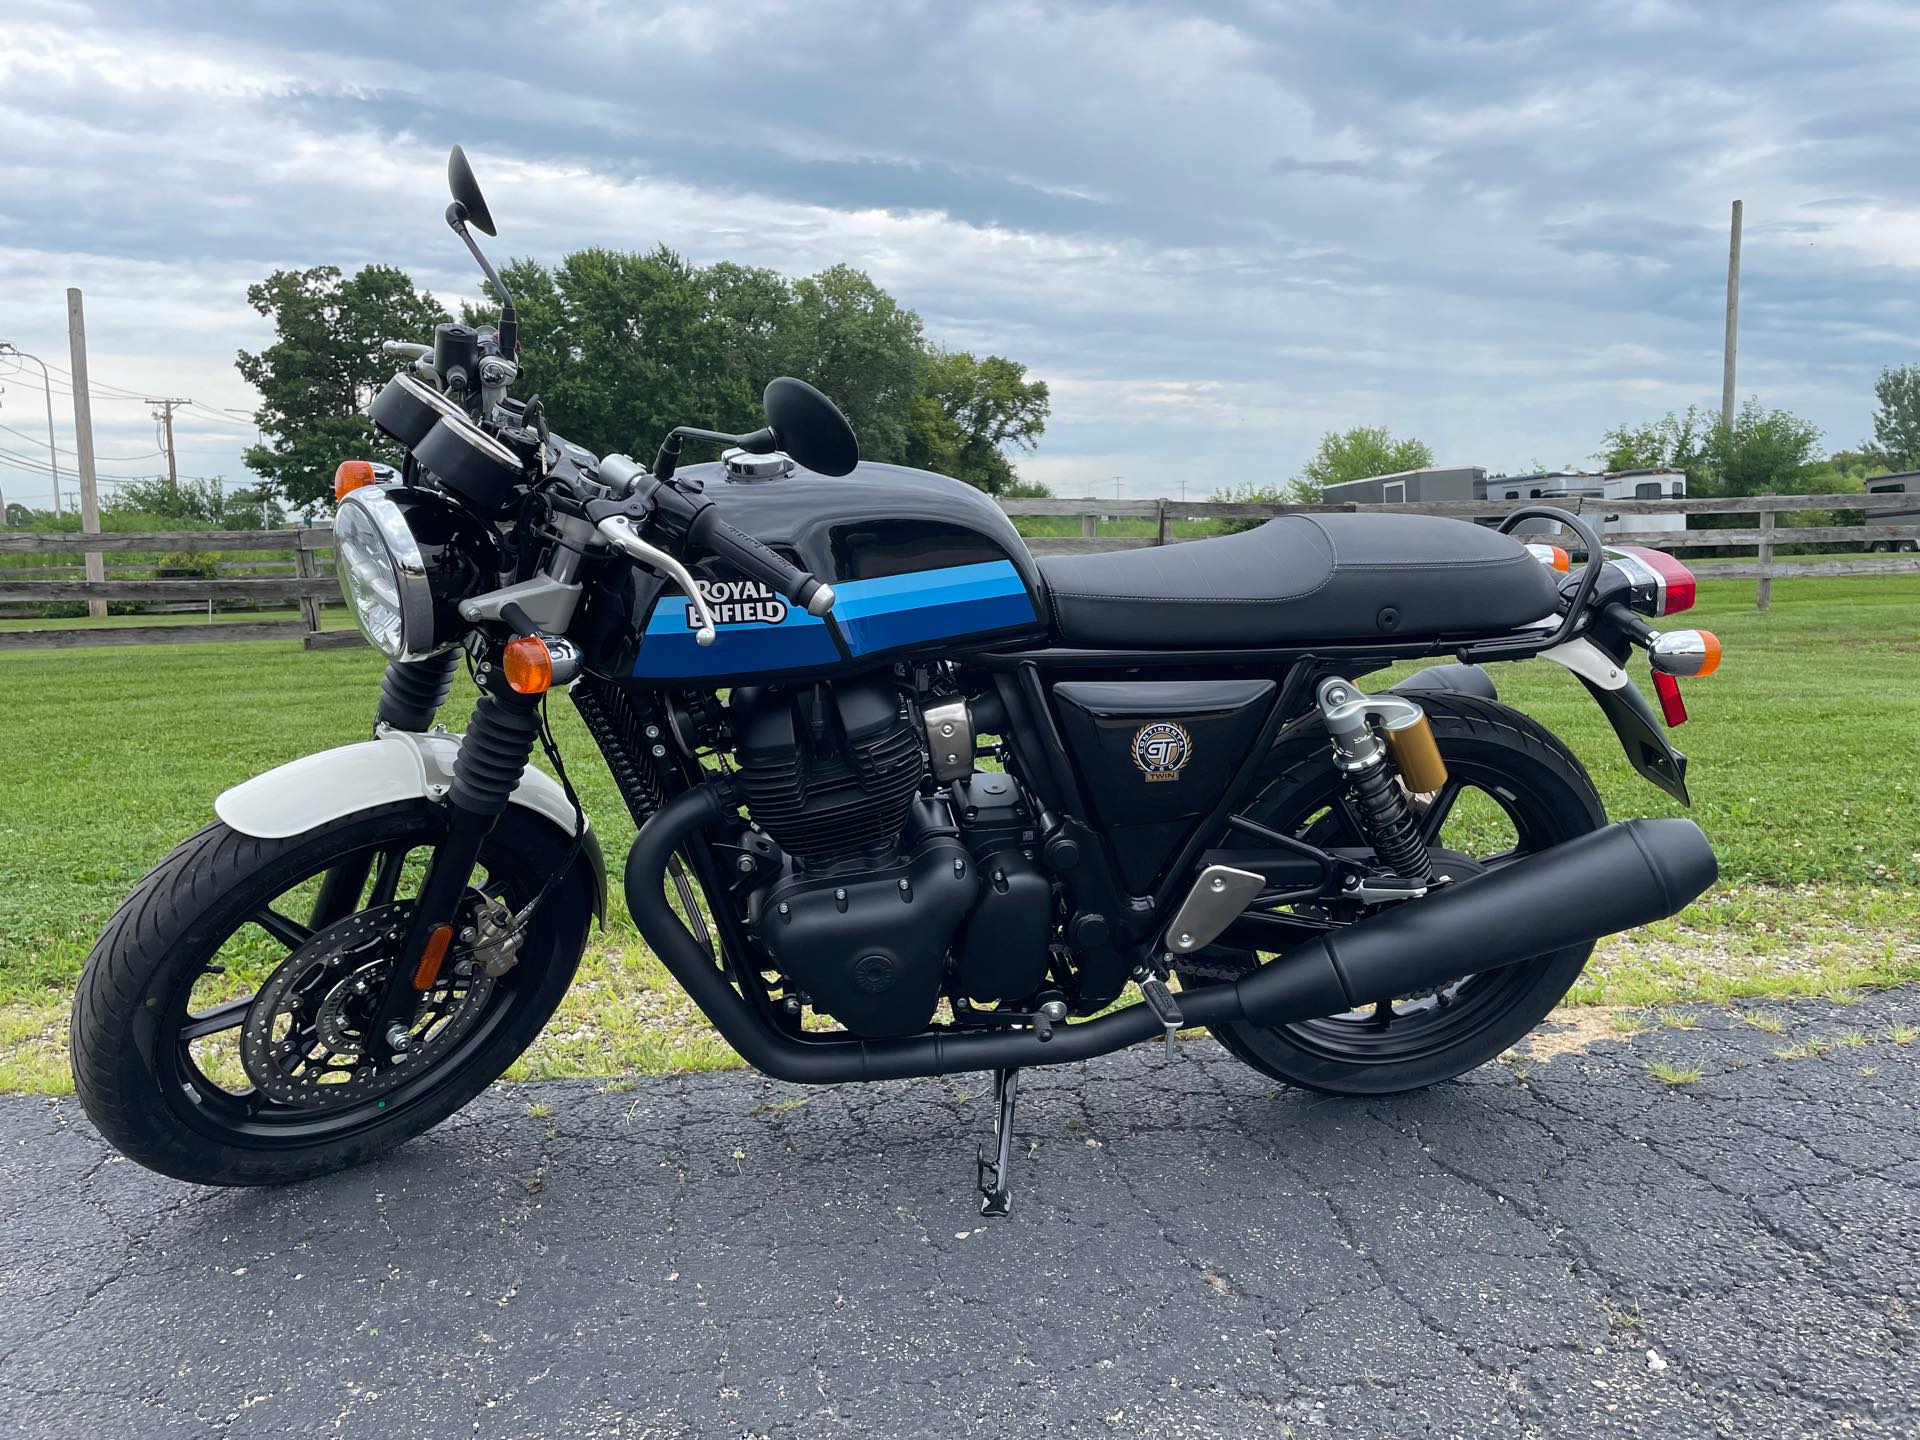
x=1302 y=579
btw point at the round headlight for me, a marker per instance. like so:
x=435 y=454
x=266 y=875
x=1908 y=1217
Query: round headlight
x=407 y=558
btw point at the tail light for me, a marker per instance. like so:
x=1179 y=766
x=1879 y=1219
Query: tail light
x=1661 y=584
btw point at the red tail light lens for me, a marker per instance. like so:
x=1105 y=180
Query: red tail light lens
x=1672 y=708
x=1674 y=584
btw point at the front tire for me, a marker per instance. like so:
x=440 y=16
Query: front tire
x=170 y=980
x=1501 y=763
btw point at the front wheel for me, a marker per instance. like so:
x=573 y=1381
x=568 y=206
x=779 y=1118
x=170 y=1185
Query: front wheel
x=220 y=1030
x=1512 y=789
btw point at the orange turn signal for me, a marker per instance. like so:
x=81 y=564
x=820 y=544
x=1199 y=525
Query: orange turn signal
x=349 y=476
x=1685 y=652
x=1551 y=556
x=528 y=665
x=428 y=970
x=1712 y=662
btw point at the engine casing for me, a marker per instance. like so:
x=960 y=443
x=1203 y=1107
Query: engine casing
x=828 y=771
x=869 y=947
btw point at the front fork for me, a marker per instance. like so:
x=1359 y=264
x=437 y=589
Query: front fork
x=1374 y=791
x=499 y=741
x=411 y=694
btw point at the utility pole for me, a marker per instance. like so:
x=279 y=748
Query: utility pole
x=1733 y=320
x=53 y=454
x=1116 y=485
x=83 y=442
x=165 y=416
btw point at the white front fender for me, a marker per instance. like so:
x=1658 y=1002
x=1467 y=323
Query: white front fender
x=396 y=765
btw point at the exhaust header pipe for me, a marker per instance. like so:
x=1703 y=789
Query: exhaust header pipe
x=1611 y=879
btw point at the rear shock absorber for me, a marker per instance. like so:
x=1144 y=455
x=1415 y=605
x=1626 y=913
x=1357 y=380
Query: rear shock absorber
x=1379 y=802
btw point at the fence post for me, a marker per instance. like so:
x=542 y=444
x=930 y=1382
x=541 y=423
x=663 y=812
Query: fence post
x=305 y=569
x=1160 y=525
x=1763 y=592
x=1090 y=526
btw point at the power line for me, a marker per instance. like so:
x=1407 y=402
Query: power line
x=143 y=455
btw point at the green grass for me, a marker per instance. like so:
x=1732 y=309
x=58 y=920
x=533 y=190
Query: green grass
x=1673 y=1074
x=1805 y=775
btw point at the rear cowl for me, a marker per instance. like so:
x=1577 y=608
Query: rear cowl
x=1612 y=879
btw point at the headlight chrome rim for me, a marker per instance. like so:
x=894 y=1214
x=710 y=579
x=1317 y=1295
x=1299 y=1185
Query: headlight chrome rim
x=413 y=591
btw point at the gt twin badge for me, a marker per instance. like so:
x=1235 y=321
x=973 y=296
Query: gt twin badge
x=738 y=602
x=1162 y=749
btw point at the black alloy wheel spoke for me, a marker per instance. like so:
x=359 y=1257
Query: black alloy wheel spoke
x=290 y=933
x=226 y=1016
x=386 y=876
x=1434 y=817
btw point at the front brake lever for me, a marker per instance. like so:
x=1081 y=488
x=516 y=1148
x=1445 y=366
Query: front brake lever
x=619 y=532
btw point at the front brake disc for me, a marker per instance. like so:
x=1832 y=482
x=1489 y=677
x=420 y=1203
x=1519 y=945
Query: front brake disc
x=306 y=1038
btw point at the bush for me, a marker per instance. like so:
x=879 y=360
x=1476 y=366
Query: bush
x=188 y=565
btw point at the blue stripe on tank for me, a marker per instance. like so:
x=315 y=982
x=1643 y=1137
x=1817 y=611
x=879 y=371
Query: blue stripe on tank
x=872 y=615
x=669 y=651
x=897 y=610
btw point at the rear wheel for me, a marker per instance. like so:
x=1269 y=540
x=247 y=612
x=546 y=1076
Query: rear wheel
x=221 y=1030
x=1512 y=789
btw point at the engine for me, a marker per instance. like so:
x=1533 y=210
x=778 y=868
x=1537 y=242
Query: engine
x=891 y=890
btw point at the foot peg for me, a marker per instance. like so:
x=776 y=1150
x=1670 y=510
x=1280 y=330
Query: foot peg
x=1165 y=1008
x=995 y=1196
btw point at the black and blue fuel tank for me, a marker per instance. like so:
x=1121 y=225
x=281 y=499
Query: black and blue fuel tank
x=920 y=564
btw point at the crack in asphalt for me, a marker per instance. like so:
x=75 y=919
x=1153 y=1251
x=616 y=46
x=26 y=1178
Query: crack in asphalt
x=1569 y=1249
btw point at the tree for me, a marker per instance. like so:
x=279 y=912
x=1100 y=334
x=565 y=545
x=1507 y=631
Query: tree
x=968 y=412
x=1763 y=452
x=853 y=340
x=322 y=368
x=1896 y=424
x=622 y=347
x=1674 y=442
x=1356 y=454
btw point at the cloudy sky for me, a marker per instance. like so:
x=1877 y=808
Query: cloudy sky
x=1216 y=230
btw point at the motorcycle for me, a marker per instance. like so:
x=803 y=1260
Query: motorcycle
x=910 y=800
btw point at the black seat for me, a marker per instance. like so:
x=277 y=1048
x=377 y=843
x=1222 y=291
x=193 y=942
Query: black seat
x=1302 y=579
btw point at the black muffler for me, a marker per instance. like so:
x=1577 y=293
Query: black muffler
x=1608 y=880
x=1612 y=879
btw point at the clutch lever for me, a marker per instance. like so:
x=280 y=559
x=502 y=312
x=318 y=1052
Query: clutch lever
x=618 y=531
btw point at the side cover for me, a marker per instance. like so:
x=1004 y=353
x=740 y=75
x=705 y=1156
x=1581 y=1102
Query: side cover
x=1155 y=757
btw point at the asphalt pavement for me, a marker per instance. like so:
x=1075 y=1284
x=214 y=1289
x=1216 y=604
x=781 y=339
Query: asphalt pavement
x=1555 y=1247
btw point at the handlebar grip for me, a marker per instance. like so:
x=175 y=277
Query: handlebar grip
x=755 y=560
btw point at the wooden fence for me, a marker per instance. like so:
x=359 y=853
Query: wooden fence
x=303 y=567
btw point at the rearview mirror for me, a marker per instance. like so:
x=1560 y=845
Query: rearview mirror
x=466 y=191
x=809 y=427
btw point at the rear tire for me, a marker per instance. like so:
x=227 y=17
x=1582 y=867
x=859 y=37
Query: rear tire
x=1548 y=798
x=153 y=1097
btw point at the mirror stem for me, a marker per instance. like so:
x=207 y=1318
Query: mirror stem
x=509 y=321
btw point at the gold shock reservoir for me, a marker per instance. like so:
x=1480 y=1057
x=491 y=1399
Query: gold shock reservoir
x=1416 y=754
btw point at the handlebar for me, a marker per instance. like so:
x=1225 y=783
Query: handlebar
x=697 y=521
x=755 y=560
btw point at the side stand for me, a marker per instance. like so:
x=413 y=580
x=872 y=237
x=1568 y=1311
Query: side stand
x=995 y=1197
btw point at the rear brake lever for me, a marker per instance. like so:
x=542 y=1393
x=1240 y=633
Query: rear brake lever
x=619 y=532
